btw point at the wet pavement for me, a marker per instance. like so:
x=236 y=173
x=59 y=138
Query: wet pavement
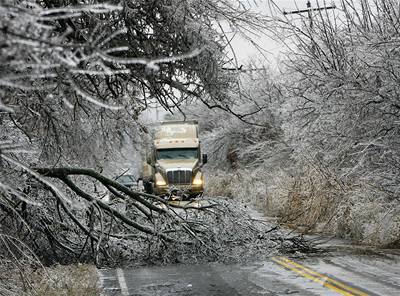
x=344 y=270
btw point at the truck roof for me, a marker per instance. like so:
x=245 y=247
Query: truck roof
x=177 y=130
x=179 y=122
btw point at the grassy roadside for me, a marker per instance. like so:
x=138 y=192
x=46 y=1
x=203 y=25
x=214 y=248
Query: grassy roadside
x=58 y=280
x=310 y=203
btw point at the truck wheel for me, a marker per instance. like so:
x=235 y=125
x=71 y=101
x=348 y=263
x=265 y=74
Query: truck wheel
x=148 y=187
x=195 y=195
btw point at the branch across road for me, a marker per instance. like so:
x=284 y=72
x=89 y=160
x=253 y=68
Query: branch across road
x=146 y=228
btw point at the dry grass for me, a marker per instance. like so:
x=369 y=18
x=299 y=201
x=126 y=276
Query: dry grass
x=70 y=280
x=312 y=200
x=313 y=203
x=266 y=190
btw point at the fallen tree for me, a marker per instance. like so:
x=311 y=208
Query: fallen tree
x=77 y=225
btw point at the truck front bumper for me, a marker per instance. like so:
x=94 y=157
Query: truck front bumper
x=191 y=190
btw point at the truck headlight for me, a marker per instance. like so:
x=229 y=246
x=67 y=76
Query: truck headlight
x=161 y=183
x=197 y=182
x=160 y=180
x=198 y=179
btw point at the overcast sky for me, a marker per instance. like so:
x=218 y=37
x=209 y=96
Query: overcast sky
x=245 y=51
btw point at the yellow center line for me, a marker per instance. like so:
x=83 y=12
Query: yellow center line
x=313 y=278
x=337 y=283
x=326 y=281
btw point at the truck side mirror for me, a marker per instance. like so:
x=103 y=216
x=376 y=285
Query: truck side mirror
x=204 y=157
x=151 y=158
x=148 y=159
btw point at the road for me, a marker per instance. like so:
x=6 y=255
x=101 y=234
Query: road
x=342 y=270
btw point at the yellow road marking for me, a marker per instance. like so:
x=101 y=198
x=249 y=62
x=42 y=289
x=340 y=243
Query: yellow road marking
x=337 y=283
x=324 y=280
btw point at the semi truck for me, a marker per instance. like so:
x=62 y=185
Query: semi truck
x=173 y=166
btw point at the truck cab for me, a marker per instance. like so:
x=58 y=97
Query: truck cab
x=174 y=163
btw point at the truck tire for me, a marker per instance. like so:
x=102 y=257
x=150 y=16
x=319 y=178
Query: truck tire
x=148 y=187
x=195 y=195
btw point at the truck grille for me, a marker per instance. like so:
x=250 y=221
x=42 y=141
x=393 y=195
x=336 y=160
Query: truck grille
x=179 y=176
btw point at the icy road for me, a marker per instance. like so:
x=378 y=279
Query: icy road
x=347 y=270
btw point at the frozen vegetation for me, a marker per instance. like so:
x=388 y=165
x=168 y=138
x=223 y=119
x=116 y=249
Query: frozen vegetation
x=324 y=152
x=316 y=145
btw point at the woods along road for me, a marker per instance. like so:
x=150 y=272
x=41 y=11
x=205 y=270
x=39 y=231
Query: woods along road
x=339 y=268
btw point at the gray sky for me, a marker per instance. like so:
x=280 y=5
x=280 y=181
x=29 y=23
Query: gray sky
x=245 y=51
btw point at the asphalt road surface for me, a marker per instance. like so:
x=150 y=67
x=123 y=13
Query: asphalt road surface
x=345 y=270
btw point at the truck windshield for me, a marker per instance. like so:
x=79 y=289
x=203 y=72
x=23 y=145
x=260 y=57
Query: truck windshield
x=177 y=153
